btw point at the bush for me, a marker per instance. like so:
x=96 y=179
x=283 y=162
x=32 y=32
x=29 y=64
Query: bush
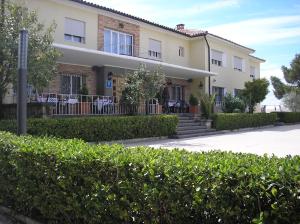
x=235 y=121
x=69 y=181
x=232 y=104
x=94 y=129
x=193 y=100
x=288 y=117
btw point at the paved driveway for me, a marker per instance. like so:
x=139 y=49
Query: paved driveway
x=280 y=141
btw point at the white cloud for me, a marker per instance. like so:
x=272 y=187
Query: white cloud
x=155 y=11
x=258 y=31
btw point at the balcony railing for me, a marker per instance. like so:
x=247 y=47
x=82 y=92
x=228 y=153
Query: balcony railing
x=65 y=104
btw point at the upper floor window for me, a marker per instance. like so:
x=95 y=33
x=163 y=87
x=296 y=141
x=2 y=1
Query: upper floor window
x=252 y=71
x=154 y=49
x=118 y=43
x=74 y=30
x=237 y=63
x=217 y=58
x=181 y=51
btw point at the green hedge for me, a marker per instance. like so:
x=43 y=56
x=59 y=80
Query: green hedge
x=288 y=117
x=96 y=129
x=69 y=181
x=242 y=120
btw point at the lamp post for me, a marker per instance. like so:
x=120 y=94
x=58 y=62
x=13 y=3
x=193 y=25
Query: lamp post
x=22 y=83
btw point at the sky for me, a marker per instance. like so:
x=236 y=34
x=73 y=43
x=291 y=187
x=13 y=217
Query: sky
x=271 y=27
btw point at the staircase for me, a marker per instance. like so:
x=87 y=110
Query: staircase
x=191 y=126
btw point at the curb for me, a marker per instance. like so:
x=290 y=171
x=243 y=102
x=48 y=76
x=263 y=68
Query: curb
x=18 y=217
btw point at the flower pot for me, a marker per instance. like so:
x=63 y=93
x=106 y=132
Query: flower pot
x=85 y=108
x=194 y=109
x=208 y=123
x=159 y=109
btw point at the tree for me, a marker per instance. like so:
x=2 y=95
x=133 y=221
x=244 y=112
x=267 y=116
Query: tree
x=290 y=92
x=255 y=92
x=291 y=100
x=142 y=84
x=42 y=56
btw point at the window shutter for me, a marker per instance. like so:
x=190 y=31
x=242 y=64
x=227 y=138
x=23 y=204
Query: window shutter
x=154 y=45
x=217 y=55
x=74 y=27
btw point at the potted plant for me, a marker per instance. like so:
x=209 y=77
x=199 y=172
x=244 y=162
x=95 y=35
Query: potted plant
x=194 y=104
x=85 y=104
x=207 y=107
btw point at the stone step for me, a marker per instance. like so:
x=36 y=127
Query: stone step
x=190 y=131
x=198 y=134
x=191 y=127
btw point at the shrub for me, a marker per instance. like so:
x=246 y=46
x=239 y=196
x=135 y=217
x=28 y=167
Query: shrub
x=96 y=129
x=207 y=105
x=288 y=117
x=235 y=121
x=193 y=100
x=69 y=181
x=232 y=104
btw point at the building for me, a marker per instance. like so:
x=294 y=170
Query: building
x=101 y=45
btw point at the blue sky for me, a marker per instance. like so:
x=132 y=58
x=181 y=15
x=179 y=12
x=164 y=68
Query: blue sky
x=271 y=27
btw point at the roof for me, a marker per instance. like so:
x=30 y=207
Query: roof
x=186 y=32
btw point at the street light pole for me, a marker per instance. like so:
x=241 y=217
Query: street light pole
x=22 y=83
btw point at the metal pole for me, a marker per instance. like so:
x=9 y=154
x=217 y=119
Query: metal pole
x=22 y=83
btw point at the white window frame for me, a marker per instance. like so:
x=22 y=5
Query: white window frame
x=73 y=37
x=155 y=54
x=181 y=51
x=118 y=48
x=242 y=64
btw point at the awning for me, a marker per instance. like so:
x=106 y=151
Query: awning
x=84 y=56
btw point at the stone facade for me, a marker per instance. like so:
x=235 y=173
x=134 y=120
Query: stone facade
x=121 y=26
x=86 y=72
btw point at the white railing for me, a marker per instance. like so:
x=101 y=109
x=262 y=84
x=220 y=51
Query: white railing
x=65 y=104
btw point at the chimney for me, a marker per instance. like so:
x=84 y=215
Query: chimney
x=180 y=26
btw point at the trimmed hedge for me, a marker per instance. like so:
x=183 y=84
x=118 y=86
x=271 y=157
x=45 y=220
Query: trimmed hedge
x=222 y=121
x=95 y=129
x=288 y=117
x=69 y=181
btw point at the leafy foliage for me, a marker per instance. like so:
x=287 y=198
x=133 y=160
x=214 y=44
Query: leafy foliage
x=142 y=84
x=42 y=56
x=255 y=92
x=207 y=105
x=193 y=100
x=292 y=74
x=95 y=129
x=232 y=104
x=69 y=181
x=290 y=93
x=288 y=117
x=236 y=121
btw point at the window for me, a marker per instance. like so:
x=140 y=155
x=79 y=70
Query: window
x=181 y=51
x=177 y=93
x=74 y=30
x=71 y=84
x=217 y=57
x=220 y=92
x=118 y=43
x=237 y=63
x=154 y=49
x=252 y=71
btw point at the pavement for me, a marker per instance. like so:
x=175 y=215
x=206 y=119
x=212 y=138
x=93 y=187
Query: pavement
x=279 y=141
